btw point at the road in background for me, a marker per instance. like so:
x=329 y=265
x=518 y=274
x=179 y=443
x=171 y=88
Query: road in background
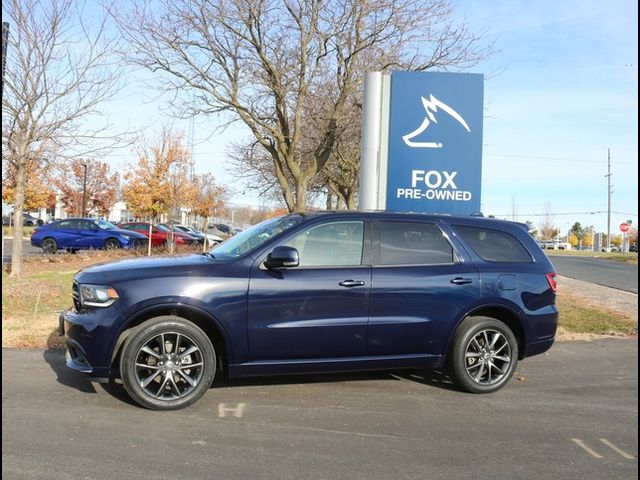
x=28 y=249
x=623 y=276
x=570 y=414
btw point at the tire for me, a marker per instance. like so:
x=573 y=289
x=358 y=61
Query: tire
x=49 y=246
x=111 y=244
x=155 y=376
x=484 y=355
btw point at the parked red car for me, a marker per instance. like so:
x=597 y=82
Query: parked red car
x=160 y=235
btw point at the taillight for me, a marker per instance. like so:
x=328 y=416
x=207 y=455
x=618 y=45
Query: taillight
x=553 y=283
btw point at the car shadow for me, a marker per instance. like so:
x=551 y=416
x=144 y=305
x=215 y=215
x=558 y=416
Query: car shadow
x=432 y=378
x=54 y=356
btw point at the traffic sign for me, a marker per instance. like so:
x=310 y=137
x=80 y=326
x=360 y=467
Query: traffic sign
x=624 y=227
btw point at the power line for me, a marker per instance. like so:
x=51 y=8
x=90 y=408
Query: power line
x=557 y=159
x=593 y=212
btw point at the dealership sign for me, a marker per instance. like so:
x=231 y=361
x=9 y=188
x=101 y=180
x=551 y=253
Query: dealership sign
x=430 y=143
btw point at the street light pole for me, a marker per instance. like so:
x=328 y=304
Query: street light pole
x=608 y=175
x=84 y=190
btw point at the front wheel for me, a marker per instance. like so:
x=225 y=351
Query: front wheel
x=49 y=246
x=484 y=355
x=111 y=244
x=167 y=363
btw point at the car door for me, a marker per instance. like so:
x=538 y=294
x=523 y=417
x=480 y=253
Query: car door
x=88 y=235
x=66 y=233
x=421 y=285
x=319 y=308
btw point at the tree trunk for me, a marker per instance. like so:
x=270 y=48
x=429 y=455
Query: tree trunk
x=301 y=195
x=351 y=201
x=18 y=205
x=329 y=204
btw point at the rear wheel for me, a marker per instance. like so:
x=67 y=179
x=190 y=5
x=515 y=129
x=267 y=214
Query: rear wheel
x=167 y=363
x=49 y=246
x=484 y=355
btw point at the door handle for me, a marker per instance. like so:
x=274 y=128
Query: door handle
x=351 y=283
x=460 y=280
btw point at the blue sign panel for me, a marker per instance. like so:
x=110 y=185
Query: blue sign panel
x=435 y=142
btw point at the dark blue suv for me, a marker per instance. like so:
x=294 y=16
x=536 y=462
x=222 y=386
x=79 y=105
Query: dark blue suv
x=318 y=292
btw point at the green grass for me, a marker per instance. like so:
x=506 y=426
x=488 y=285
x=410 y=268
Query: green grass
x=576 y=318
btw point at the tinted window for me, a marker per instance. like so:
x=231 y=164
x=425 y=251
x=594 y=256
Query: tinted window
x=86 y=225
x=493 y=245
x=256 y=235
x=331 y=244
x=68 y=224
x=412 y=243
x=104 y=225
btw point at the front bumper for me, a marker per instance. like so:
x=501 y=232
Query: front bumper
x=133 y=243
x=89 y=338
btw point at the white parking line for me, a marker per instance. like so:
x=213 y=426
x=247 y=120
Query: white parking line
x=581 y=444
x=227 y=408
x=616 y=449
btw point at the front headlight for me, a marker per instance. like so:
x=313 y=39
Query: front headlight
x=97 y=295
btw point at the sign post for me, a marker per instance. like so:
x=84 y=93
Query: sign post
x=624 y=228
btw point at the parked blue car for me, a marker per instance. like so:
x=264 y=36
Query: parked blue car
x=318 y=292
x=75 y=234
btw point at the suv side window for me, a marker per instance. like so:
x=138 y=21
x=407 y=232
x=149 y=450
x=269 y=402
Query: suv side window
x=412 y=243
x=330 y=244
x=493 y=245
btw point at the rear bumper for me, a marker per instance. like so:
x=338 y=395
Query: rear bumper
x=541 y=332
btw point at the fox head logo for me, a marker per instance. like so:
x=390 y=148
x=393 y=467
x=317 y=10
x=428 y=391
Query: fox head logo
x=430 y=106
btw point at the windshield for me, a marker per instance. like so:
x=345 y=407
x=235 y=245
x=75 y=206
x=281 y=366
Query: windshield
x=256 y=236
x=104 y=225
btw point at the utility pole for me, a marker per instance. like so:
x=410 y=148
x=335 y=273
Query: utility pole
x=608 y=175
x=84 y=190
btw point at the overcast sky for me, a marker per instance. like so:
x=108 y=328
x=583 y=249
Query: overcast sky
x=560 y=90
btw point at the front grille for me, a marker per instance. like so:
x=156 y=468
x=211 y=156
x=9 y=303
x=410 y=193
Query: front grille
x=75 y=292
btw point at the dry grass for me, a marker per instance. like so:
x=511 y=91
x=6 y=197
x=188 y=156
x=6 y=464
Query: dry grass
x=30 y=308
x=31 y=304
x=631 y=257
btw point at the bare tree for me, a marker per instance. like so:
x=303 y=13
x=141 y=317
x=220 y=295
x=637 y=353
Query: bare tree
x=280 y=66
x=548 y=230
x=59 y=69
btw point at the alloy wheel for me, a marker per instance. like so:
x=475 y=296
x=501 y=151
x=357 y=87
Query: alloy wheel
x=169 y=366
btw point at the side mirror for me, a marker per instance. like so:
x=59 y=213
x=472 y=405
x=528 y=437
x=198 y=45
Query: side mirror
x=282 y=257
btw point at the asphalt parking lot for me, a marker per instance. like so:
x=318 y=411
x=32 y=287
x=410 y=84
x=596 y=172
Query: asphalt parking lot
x=570 y=414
